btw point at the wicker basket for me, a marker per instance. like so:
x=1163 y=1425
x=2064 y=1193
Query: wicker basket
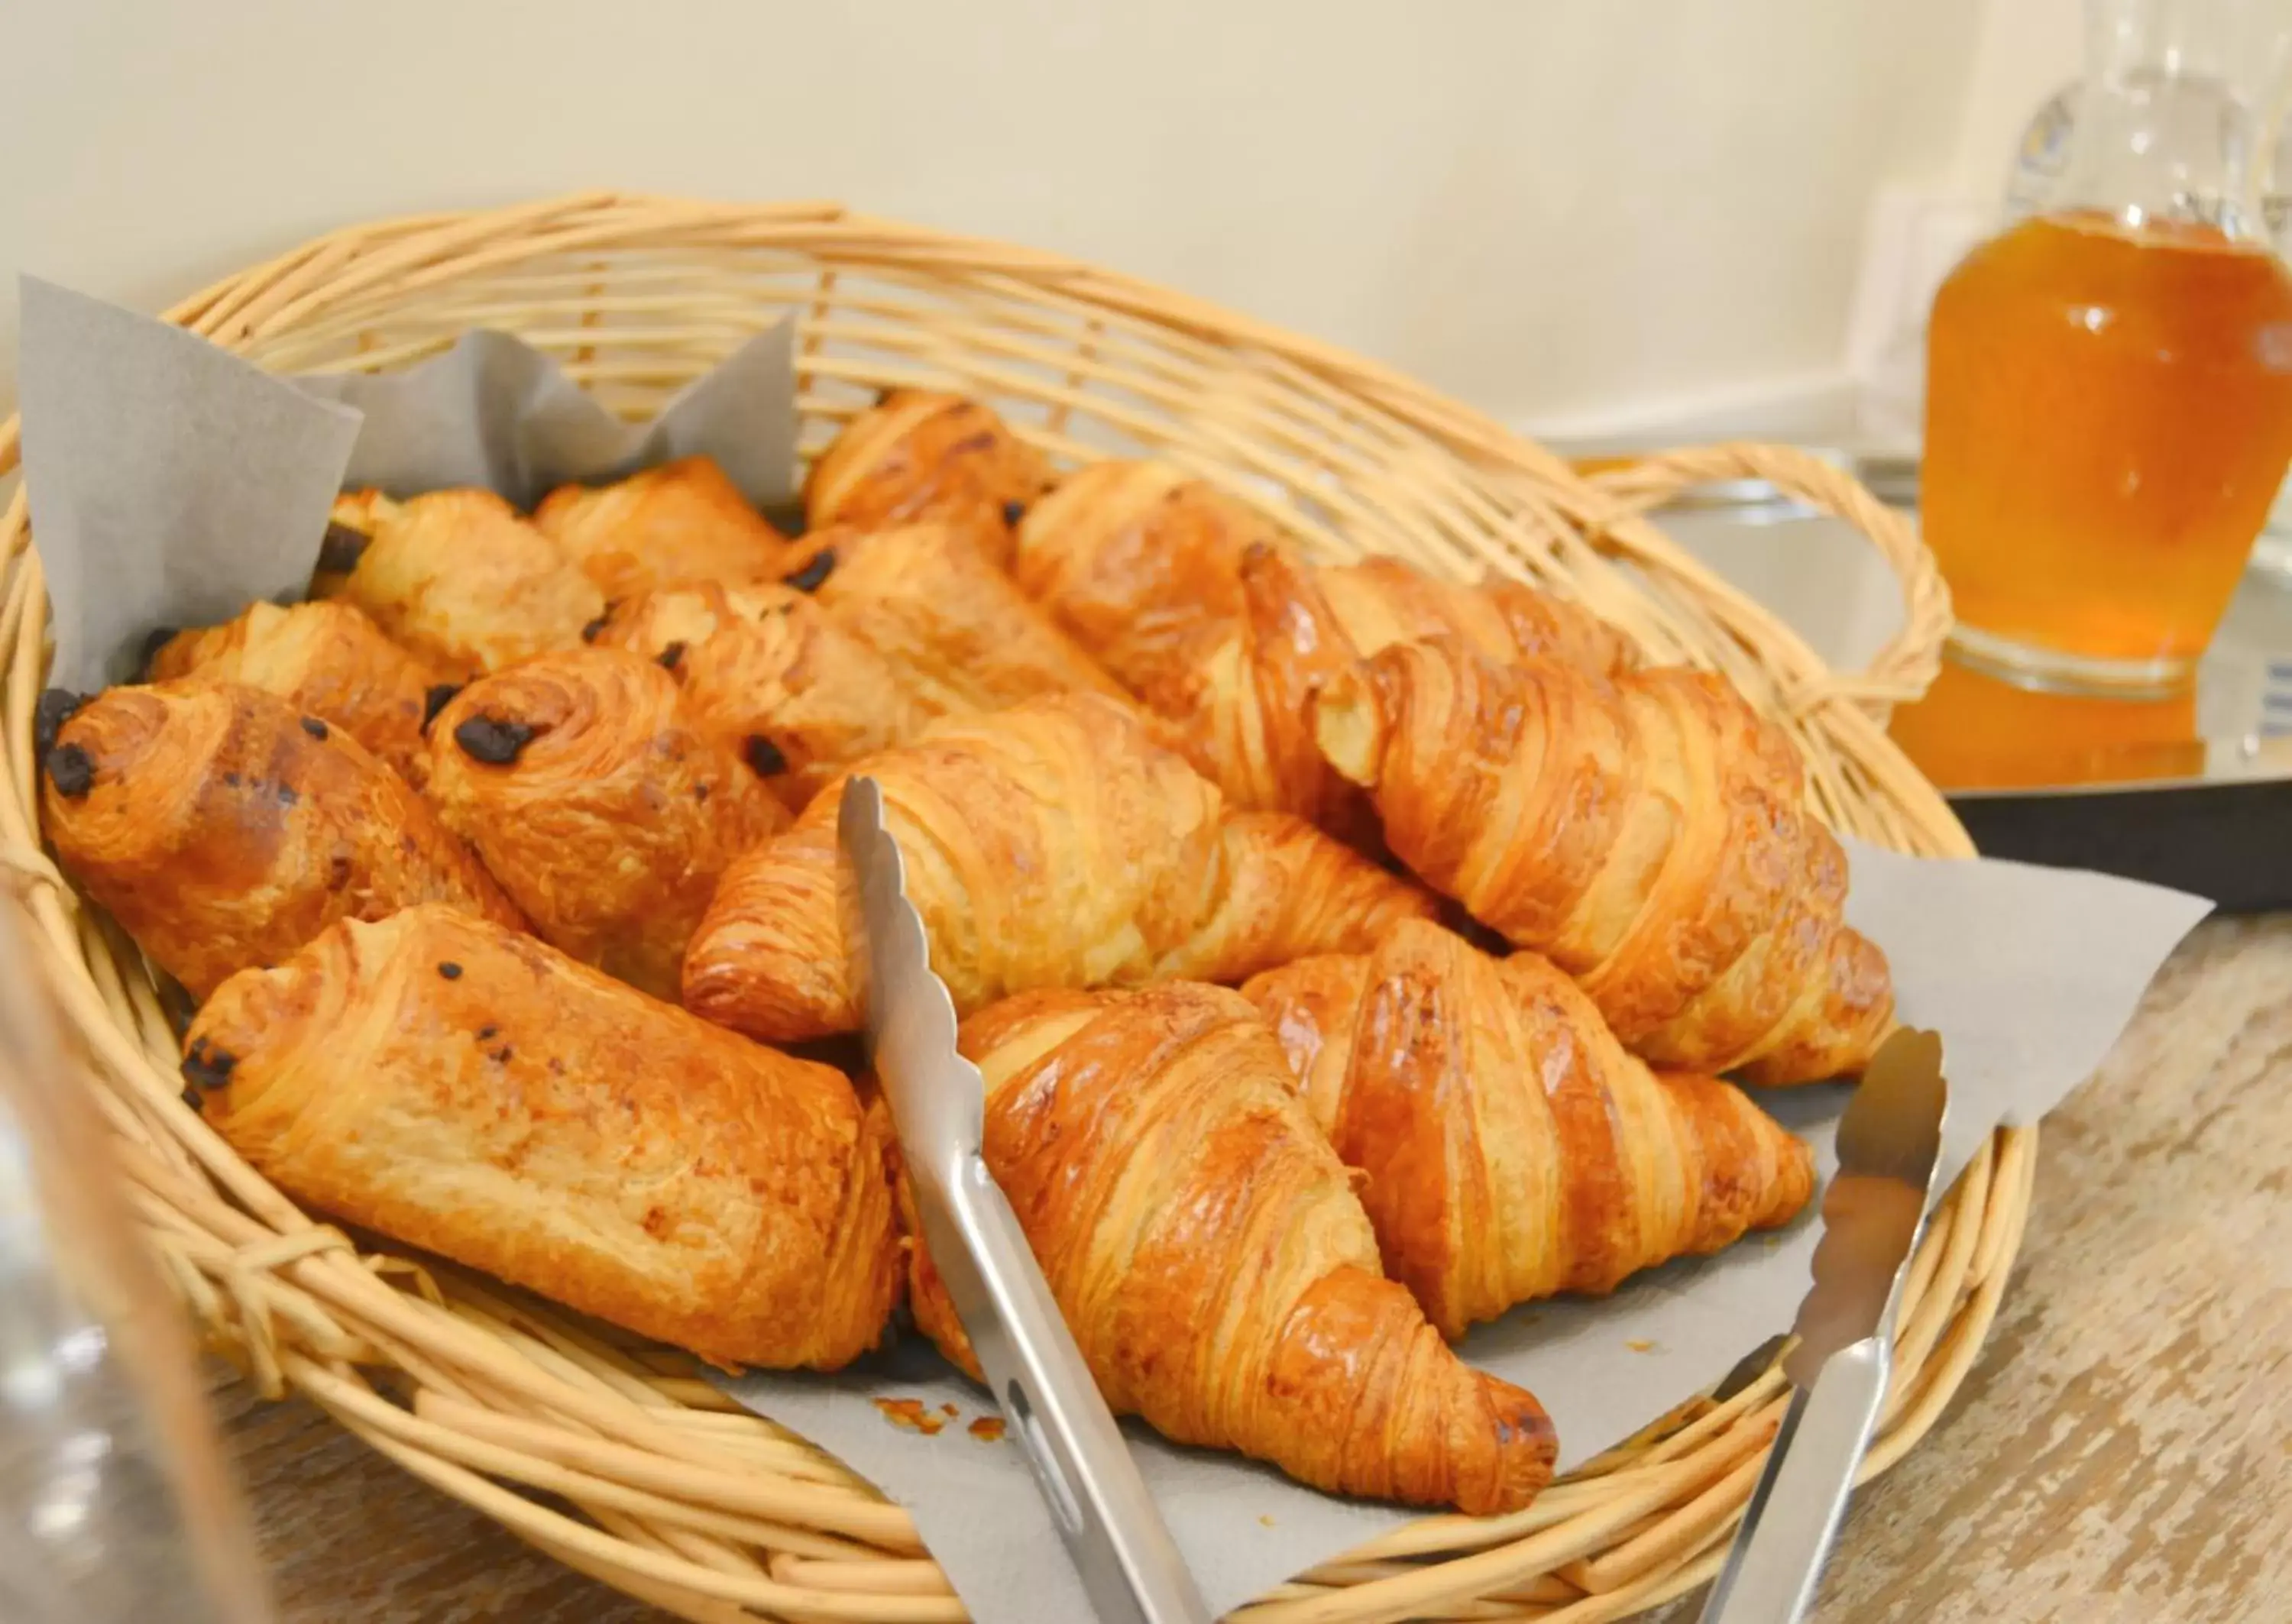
x=617 y=1458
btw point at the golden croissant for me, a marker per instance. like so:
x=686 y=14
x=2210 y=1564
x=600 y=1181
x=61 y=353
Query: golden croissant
x=766 y=669
x=1511 y=1149
x=1247 y=707
x=1206 y=613
x=682 y=521
x=916 y=454
x=1647 y=834
x=473 y=1091
x=223 y=828
x=326 y=659
x=1141 y=562
x=605 y=812
x=457 y=577
x=1047 y=845
x=1210 y=1257
x=959 y=636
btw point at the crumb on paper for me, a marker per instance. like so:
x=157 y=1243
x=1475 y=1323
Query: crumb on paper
x=1639 y=1345
x=1266 y=1517
x=950 y=1411
x=986 y=1429
x=910 y=1413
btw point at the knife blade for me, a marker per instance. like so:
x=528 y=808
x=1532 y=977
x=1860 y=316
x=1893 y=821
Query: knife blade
x=1112 y=1531
x=1842 y=1355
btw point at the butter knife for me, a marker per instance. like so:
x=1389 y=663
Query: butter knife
x=1130 y=1567
x=1889 y=1152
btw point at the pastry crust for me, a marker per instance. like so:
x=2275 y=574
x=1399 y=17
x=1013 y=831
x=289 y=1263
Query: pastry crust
x=1209 y=1255
x=682 y=521
x=1649 y=835
x=770 y=672
x=606 y=815
x=457 y=578
x=472 y=1091
x=1047 y=845
x=326 y=659
x=223 y=828
x=1511 y=1149
x=917 y=454
x=960 y=637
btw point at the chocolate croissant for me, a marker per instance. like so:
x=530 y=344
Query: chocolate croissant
x=959 y=636
x=605 y=812
x=1512 y=1150
x=1048 y=845
x=1647 y=834
x=223 y=828
x=473 y=1092
x=327 y=660
x=682 y=521
x=767 y=670
x=457 y=577
x=1210 y=1257
x=916 y=454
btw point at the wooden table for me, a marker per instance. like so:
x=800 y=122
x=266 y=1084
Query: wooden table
x=2121 y=1455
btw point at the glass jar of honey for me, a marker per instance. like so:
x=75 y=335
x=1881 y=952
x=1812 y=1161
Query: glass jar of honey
x=2109 y=382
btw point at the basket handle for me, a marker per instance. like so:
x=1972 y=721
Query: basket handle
x=1908 y=661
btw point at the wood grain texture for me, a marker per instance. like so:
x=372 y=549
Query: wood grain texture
x=2120 y=1455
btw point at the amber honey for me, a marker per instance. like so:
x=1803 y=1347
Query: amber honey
x=2109 y=414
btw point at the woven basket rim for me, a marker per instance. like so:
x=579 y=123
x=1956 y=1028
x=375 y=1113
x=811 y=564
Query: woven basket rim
x=712 y=1514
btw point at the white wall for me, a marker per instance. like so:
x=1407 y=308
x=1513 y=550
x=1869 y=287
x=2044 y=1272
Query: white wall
x=1555 y=208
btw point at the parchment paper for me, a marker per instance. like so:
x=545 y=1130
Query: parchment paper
x=495 y=412
x=172 y=484
x=2029 y=974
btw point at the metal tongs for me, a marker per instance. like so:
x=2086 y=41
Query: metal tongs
x=1889 y=1155
x=1130 y=1566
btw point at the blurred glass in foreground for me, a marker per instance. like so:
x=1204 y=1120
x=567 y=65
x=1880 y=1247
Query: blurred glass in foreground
x=116 y=1504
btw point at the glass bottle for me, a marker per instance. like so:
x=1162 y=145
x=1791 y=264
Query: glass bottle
x=2109 y=397
x=116 y=1504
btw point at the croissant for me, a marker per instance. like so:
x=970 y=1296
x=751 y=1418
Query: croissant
x=957 y=633
x=1141 y=563
x=327 y=659
x=1210 y=1257
x=1512 y=1148
x=605 y=813
x=764 y=668
x=1303 y=623
x=474 y=1092
x=222 y=828
x=916 y=454
x=682 y=521
x=1047 y=845
x=1647 y=834
x=1206 y=613
x=457 y=577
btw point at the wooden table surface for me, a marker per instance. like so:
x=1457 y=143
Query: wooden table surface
x=2122 y=1454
